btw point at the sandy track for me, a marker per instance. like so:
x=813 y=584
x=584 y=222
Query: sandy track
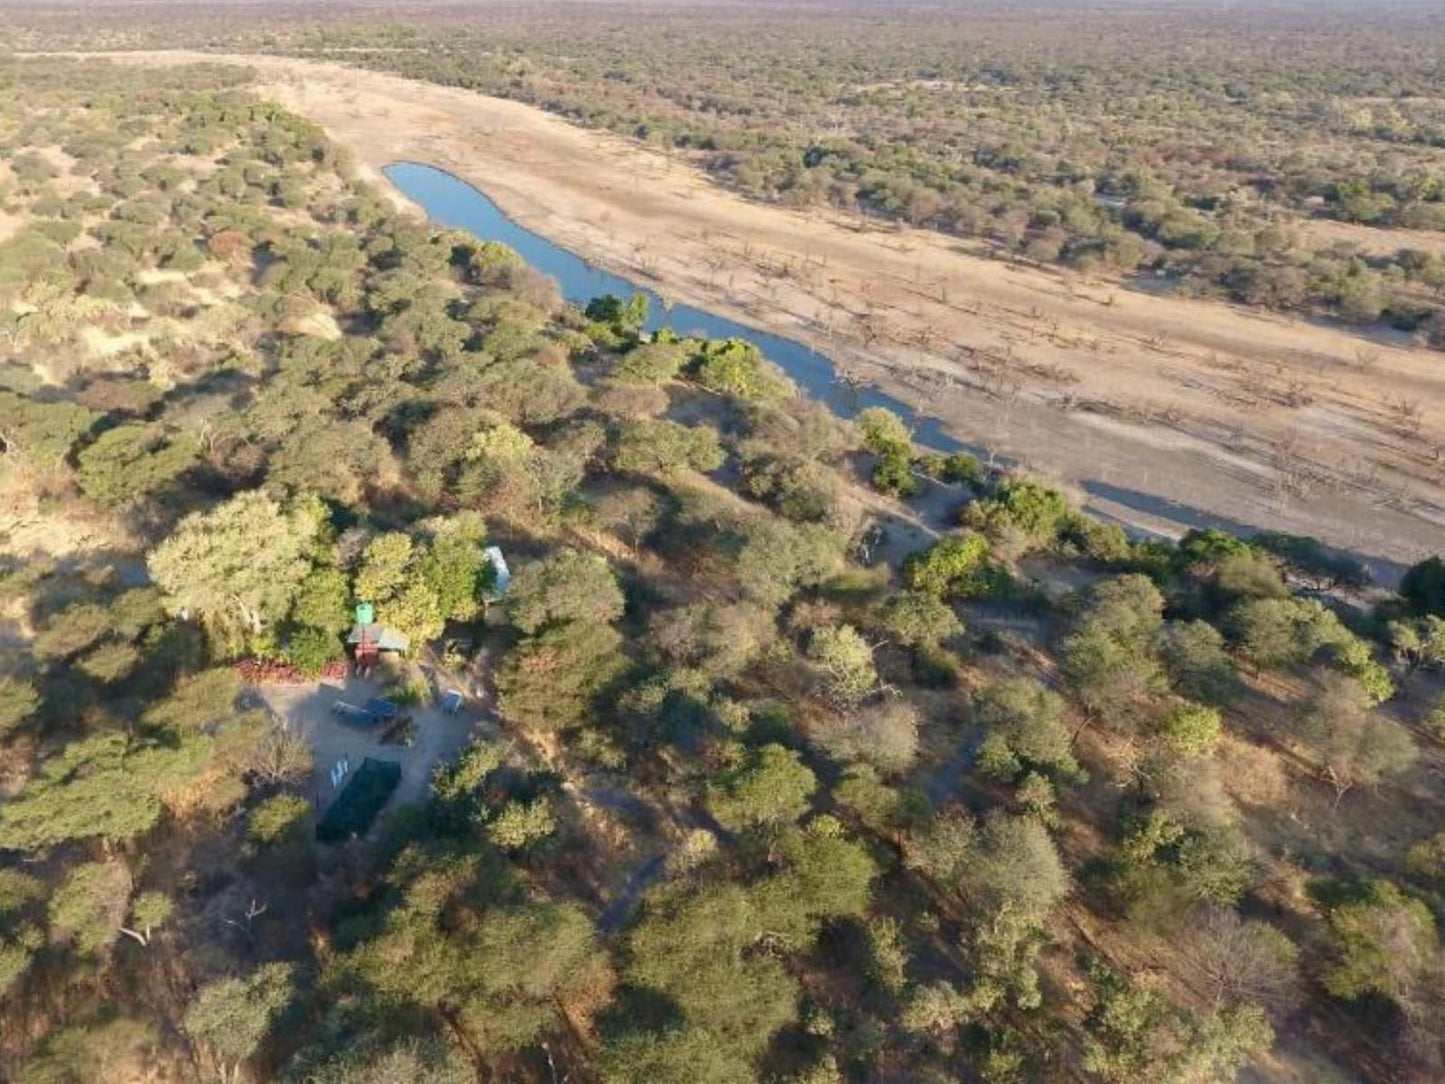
x=1165 y=412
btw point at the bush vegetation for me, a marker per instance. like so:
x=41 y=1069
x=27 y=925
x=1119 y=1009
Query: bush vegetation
x=747 y=808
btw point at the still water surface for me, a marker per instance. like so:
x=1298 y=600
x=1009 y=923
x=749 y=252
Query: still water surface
x=451 y=201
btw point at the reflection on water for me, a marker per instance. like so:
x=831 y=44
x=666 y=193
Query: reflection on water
x=450 y=201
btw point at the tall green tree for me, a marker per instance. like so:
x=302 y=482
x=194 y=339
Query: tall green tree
x=772 y=787
x=106 y=786
x=231 y=1018
x=243 y=560
x=567 y=585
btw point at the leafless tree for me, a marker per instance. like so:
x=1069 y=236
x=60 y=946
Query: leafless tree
x=1241 y=960
x=279 y=757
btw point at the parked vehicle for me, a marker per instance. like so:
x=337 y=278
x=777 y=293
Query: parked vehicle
x=375 y=711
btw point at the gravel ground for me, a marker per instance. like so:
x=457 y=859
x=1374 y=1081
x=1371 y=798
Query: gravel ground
x=306 y=710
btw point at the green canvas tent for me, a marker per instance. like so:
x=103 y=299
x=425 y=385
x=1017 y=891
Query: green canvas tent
x=359 y=801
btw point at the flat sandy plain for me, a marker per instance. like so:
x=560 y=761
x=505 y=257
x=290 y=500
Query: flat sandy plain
x=1161 y=412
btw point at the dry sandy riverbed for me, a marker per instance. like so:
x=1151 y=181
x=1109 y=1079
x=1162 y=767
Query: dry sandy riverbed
x=1165 y=413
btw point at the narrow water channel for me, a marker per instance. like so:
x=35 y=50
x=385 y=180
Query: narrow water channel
x=450 y=201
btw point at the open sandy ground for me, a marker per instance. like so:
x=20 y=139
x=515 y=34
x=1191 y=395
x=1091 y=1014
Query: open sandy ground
x=1164 y=412
x=306 y=711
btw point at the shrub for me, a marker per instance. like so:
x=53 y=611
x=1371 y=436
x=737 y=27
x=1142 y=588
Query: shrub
x=1023 y=506
x=1025 y=730
x=845 y=660
x=883 y=433
x=735 y=367
x=309 y=649
x=884 y=734
x=956 y=565
x=962 y=468
x=1191 y=729
x=893 y=473
x=279 y=819
x=1423 y=587
x=650 y=363
x=772 y=787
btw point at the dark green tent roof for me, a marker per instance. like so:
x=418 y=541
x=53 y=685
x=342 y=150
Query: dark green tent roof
x=359 y=801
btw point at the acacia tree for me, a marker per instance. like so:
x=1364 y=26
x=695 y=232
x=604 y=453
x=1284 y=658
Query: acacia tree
x=500 y=970
x=1133 y=1034
x=716 y=950
x=1384 y=943
x=1352 y=744
x=718 y=640
x=18 y=701
x=1241 y=961
x=1199 y=665
x=1009 y=874
x=130 y=462
x=230 y=1018
x=89 y=907
x=21 y=935
x=666 y=448
x=101 y=787
x=243 y=560
x=919 y=619
x=633 y=513
x=772 y=787
x=550 y=679
x=1025 y=730
x=1111 y=655
x=564 y=586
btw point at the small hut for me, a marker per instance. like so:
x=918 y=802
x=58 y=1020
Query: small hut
x=368 y=638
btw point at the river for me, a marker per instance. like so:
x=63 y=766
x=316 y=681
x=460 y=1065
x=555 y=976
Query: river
x=451 y=201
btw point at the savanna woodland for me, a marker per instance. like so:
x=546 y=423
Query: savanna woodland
x=689 y=770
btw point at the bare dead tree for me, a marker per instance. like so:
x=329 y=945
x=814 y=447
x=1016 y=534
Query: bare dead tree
x=1238 y=960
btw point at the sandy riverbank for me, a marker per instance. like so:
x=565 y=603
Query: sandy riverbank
x=1165 y=412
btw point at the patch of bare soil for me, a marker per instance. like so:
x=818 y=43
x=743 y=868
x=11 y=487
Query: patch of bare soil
x=1165 y=412
x=1370 y=240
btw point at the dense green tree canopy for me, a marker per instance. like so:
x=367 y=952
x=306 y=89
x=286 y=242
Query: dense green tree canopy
x=244 y=560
